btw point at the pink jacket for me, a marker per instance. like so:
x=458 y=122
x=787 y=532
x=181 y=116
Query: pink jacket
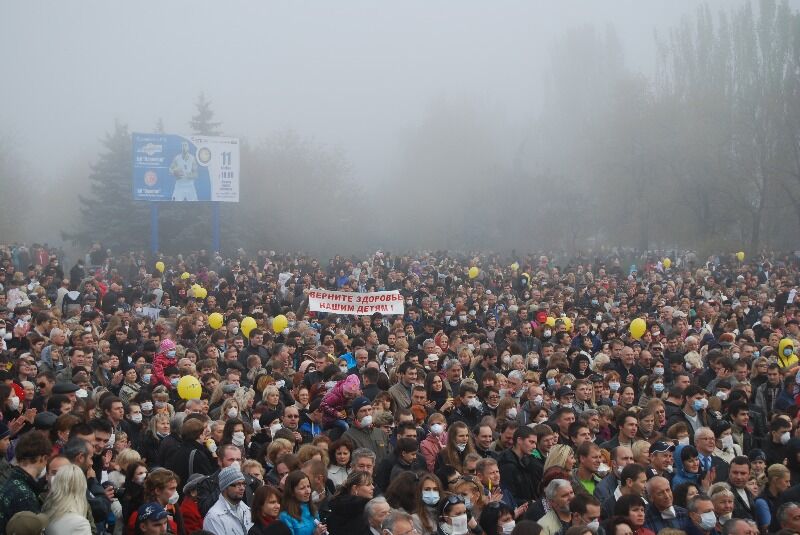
x=161 y=361
x=430 y=448
x=336 y=401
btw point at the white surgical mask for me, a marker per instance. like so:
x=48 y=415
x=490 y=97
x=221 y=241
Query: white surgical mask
x=146 y=378
x=785 y=437
x=708 y=520
x=13 y=403
x=238 y=439
x=211 y=445
x=512 y=413
x=437 y=429
x=140 y=478
x=459 y=524
x=721 y=394
x=174 y=498
x=343 y=369
x=147 y=406
x=233 y=412
x=727 y=442
x=658 y=371
x=366 y=421
x=538 y=399
x=274 y=429
x=136 y=418
x=508 y=527
x=461 y=447
x=256 y=425
x=593 y=525
x=82 y=393
x=684 y=441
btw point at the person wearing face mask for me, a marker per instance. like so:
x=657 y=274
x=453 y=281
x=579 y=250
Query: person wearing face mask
x=693 y=410
x=20 y=491
x=363 y=434
x=585 y=511
x=497 y=520
x=453 y=516
x=702 y=516
x=661 y=512
x=165 y=357
x=780 y=432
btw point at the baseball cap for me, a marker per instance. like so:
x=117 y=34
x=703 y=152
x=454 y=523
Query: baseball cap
x=151 y=511
x=660 y=446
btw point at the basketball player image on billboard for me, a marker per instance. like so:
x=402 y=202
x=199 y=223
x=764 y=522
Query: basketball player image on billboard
x=184 y=169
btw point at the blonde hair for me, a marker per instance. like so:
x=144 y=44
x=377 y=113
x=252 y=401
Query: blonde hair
x=126 y=457
x=558 y=456
x=67 y=493
x=250 y=463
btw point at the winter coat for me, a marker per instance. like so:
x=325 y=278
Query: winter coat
x=346 y=515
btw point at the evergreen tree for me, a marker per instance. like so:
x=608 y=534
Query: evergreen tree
x=188 y=224
x=109 y=214
x=203 y=121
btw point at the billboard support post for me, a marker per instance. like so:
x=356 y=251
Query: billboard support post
x=215 y=207
x=153 y=227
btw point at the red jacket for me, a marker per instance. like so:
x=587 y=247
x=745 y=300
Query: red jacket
x=192 y=519
x=160 y=362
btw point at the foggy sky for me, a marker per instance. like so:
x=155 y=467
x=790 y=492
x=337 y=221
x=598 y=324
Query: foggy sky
x=352 y=75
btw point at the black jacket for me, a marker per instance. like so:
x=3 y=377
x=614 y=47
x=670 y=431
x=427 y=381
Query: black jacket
x=742 y=508
x=208 y=492
x=346 y=516
x=178 y=461
x=517 y=476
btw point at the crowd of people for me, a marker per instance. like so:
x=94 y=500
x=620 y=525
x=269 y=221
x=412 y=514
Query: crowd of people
x=513 y=396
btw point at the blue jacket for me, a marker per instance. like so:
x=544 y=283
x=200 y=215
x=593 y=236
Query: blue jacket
x=305 y=526
x=681 y=475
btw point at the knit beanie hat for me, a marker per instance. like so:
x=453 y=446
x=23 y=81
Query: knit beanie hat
x=228 y=476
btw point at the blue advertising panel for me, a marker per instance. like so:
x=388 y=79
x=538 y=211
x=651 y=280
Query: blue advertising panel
x=170 y=167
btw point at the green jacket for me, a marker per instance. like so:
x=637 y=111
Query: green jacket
x=19 y=493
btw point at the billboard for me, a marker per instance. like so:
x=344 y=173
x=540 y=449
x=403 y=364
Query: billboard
x=170 y=167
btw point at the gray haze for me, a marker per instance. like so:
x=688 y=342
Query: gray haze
x=357 y=78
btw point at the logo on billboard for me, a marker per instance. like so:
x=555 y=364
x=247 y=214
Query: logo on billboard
x=204 y=156
x=150 y=178
x=150 y=149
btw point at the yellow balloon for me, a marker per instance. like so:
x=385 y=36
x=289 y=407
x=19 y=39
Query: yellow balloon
x=189 y=387
x=740 y=256
x=201 y=293
x=551 y=321
x=215 y=320
x=515 y=266
x=160 y=266
x=185 y=275
x=247 y=325
x=279 y=323
x=637 y=328
x=667 y=263
x=474 y=272
x=567 y=323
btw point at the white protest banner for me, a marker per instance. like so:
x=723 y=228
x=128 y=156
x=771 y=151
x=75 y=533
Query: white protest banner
x=356 y=304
